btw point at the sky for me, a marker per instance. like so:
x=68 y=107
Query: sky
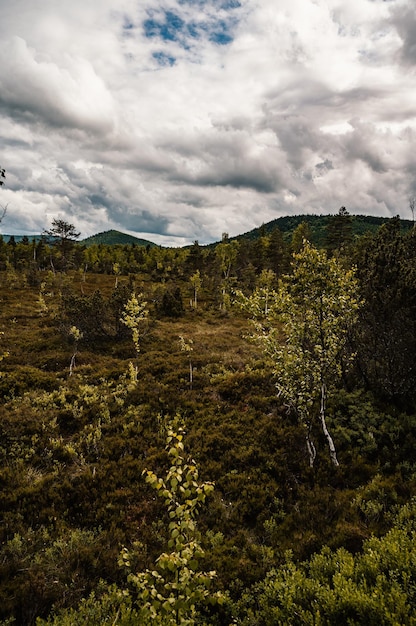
x=180 y=120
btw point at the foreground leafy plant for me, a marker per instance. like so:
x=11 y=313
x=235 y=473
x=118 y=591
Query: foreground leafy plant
x=171 y=592
x=374 y=587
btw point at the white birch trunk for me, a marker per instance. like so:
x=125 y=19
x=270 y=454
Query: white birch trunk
x=332 y=450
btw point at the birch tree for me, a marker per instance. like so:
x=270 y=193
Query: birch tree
x=135 y=317
x=186 y=346
x=196 y=283
x=304 y=331
x=226 y=253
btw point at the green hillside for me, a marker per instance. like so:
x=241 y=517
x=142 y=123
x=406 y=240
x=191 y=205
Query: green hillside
x=360 y=224
x=115 y=237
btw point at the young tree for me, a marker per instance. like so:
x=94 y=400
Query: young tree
x=303 y=331
x=196 y=283
x=170 y=592
x=76 y=335
x=135 y=316
x=266 y=281
x=186 y=346
x=116 y=272
x=301 y=234
x=226 y=253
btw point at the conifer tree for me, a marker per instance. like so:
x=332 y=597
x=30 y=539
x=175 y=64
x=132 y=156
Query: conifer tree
x=339 y=231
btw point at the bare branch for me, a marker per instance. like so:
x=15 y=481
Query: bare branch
x=3 y=210
x=412 y=203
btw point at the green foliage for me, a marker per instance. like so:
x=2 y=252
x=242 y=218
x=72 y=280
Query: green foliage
x=172 y=590
x=169 y=302
x=114 y=237
x=374 y=587
x=135 y=316
x=72 y=449
x=196 y=282
x=339 y=231
x=386 y=336
x=303 y=327
x=106 y=606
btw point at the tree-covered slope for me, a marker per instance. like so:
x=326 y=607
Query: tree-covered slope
x=115 y=237
x=318 y=224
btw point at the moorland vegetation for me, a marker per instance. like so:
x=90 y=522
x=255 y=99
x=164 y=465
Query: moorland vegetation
x=212 y=435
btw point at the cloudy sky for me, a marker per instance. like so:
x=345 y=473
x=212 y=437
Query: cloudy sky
x=178 y=120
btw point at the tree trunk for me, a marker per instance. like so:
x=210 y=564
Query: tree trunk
x=332 y=450
x=310 y=446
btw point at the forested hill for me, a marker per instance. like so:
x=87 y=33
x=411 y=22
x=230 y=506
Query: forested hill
x=114 y=237
x=318 y=224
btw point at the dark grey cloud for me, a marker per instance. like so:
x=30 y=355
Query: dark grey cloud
x=404 y=20
x=361 y=145
x=141 y=220
x=183 y=119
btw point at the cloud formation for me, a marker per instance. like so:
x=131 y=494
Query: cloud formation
x=182 y=119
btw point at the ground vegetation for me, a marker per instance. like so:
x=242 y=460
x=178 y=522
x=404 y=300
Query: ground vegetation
x=145 y=449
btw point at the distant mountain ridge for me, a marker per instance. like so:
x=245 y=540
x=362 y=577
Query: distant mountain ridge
x=360 y=225
x=18 y=238
x=108 y=237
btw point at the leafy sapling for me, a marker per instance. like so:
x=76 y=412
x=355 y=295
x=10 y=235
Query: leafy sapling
x=135 y=316
x=186 y=346
x=77 y=335
x=170 y=593
x=196 y=283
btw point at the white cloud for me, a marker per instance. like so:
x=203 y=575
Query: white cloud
x=182 y=119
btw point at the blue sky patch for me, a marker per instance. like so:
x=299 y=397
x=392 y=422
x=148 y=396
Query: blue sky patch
x=163 y=59
x=221 y=34
x=222 y=4
x=174 y=26
x=230 y=4
x=170 y=28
